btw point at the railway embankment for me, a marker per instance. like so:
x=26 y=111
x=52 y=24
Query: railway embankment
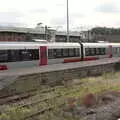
x=21 y=80
x=68 y=101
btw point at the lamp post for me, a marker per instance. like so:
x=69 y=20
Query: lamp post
x=46 y=32
x=67 y=22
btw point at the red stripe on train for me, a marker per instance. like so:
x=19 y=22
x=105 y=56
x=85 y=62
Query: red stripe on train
x=91 y=58
x=79 y=59
x=3 y=67
x=72 y=60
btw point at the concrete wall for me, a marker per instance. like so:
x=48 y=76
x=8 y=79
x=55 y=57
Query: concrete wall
x=34 y=81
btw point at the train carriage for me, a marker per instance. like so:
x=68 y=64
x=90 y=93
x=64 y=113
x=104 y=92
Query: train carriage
x=115 y=50
x=33 y=54
x=17 y=55
x=63 y=53
x=94 y=51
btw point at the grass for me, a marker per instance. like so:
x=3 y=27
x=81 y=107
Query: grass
x=95 y=85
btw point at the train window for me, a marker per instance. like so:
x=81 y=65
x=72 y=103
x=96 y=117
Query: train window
x=24 y=55
x=27 y=55
x=71 y=52
x=54 y=53
x=58 y=53
x=115 y=50
x=14 y=55
x=102 y=51
x=77 y=52
x=34 y=54
x=65 y=52
x=87 y=51
x=3 y=55
x=97 y=51
x=92 y=50
x=50 y=54
x=18 y=55
x=118 y=50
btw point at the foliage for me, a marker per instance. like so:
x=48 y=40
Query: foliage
x=14 y=114
x=106 y=31
x=95 y=85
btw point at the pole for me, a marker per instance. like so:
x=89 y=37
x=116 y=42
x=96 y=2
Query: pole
x=88 y=35
x=67 y=23
x=45 y=32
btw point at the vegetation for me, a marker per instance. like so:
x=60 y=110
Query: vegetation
x=106 y=31
x=58 y=99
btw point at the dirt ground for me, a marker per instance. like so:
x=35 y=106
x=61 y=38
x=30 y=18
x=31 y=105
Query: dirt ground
x=104 y=107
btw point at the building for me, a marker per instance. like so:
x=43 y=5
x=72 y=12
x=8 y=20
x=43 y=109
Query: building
x=43 y=33
x=61 y=36
x=23 y=34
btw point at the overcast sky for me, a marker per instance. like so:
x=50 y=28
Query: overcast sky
x=53 y=13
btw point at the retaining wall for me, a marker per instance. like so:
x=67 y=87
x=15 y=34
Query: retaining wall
x=36 y=80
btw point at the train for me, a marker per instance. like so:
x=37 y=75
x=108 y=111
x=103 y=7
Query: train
x=15 y=55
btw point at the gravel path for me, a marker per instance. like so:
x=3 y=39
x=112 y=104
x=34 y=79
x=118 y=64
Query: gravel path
x=106 y=112
x=107 y=109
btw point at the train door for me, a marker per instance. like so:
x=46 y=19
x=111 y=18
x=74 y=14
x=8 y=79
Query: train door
x=43 y=55
x=110 y=51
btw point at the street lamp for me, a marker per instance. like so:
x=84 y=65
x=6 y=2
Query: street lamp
x=47 y=32
x=67 y=22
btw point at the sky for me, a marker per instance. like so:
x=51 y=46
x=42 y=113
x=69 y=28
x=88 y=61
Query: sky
x=82 y=13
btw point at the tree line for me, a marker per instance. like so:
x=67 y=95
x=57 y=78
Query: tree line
x=105 y=31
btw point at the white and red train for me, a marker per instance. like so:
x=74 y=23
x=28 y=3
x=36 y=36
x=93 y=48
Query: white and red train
x=31 y=54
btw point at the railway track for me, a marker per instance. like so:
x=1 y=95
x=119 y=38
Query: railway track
x=38 y=112
x=16 y=93
x=21 y=96
x=38 y=101
x=50 y=108
x=14 y=100
x=16 y=97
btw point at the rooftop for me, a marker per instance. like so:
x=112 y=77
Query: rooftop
x=36 y=30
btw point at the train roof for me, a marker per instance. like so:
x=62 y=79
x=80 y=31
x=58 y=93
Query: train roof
x=18 y=45
x=61 y=45
x=38 y=43
x=115 y=44
x=35 y=45
x=96 y=44
x=70 y=43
